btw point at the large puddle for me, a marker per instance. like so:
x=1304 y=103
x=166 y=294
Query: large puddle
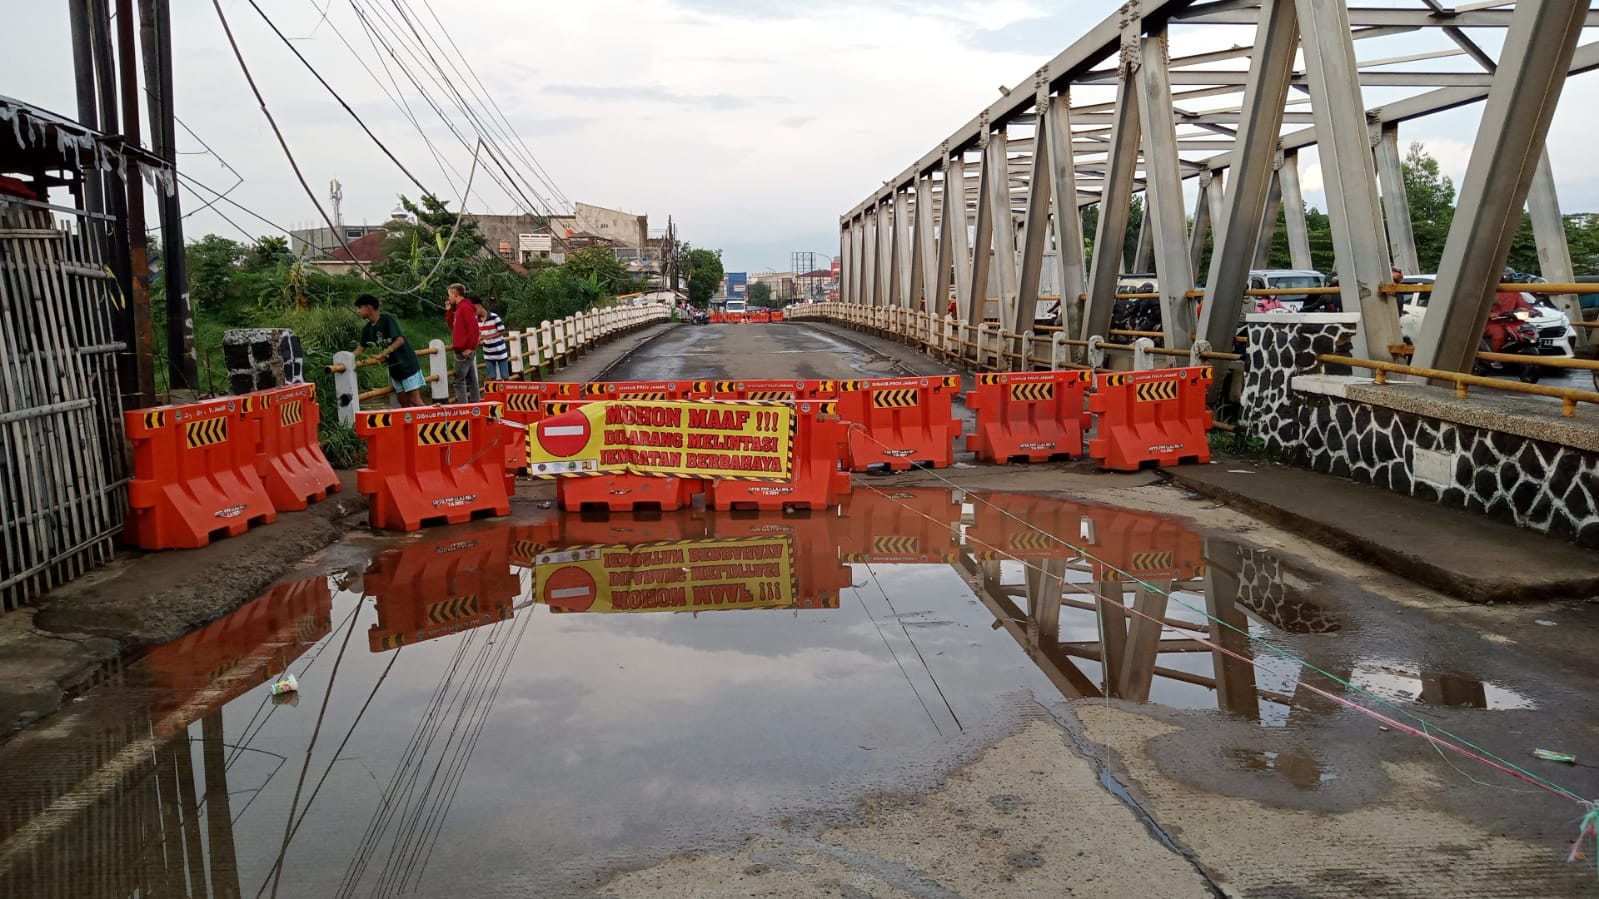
x=515 y=709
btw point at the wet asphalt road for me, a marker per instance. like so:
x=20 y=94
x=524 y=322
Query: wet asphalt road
x=530 y=707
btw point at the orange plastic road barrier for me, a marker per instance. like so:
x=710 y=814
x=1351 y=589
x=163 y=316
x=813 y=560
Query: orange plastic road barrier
x=911 y=527
x=626 y=492
x=288 y=451
x=431 y=465
x=820 y=573
x=820 y=445
x=194 y=476
x=1152 y=547
x=1033 y=416
x=777 y=315
x=1026 y=526
x=771 y=389
x=443 y=586
x=759 y=317
x=249 y=647
x=521 y=403
x=637 y=390
x=903 y=421
x=1150 y=416
x=717 y=318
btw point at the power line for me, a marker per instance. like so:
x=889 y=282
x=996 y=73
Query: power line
x=324 y=82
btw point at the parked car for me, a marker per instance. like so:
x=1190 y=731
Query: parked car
x=1556 y=336
x=1285 y=279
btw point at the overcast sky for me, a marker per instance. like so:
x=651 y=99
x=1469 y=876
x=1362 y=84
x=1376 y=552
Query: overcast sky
x=754 y=123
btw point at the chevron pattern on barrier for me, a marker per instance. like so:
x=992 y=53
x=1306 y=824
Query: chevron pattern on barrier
x=380 y=419
x=729 y=386
x=438 y=433
x=1149 y=561
x=597 y=389
x=291 y=413
x=644 y=395
x=208 y=432
x=1033 y=393
x=254 y=401
x=896 y=545
x=895 y=399
x=1155 y=391
x=522 y=402
x=770 y=395
x=155 y=420
x=453 y=609
x=559 y=408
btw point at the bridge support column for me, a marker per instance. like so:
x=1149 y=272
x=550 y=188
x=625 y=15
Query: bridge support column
x=1515 y=121
x=1068 y=219
x=983 y=230
x=1196 y=237
x=924 y=251
x=955 y=233
x=1249 y=180
x=1349 y=175
x=1395 y=202
x=1268 y=217
x=900 y=290
x=1035 y=226
x=1144 y=249
x=996 y=195
x=1164 y=217
x=1549 y=230
x=1120 y=166
x=1294 y=212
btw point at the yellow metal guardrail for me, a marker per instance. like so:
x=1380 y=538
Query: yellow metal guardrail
x=1569 y=396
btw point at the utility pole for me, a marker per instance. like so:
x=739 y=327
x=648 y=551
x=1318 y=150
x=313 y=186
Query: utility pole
x=155 y=29
x=142 y=340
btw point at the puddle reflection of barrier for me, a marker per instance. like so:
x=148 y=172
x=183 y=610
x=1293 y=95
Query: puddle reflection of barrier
x=256 y=643
x=917 y=526
x=441 y=586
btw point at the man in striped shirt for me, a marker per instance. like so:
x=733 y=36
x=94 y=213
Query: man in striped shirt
x=491 y=337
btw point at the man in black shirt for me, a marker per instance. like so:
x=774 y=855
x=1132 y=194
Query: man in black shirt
x=381 y=330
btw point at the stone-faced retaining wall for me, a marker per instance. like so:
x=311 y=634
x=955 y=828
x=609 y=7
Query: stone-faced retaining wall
x=1510 y=457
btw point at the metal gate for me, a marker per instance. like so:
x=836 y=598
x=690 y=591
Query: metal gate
x=62 y=467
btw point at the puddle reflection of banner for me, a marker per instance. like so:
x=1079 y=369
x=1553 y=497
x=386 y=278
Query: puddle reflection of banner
x=734 y=440
x=680 y=576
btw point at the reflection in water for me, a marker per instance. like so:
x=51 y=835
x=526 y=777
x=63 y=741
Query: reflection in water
x=138 y=790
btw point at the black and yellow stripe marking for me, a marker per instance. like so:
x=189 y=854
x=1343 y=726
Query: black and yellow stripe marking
x=438 y=433
x=559 y=408
x=643 y=395
x=254 y=401
x=989 y=380
x=522 y=402
x=453 y=609
x=598 y=389
x=1035 y=392
x=896 y=399
x=291 y=413
x=771 y=394
x=729 y=386
x=702 y=387
x=827 y=408
x=1155 y=391
x=207 y=432
x=896 y=546
x=1150 y=561
x=380 y=420
x=952 y=380
x=1034 y=540
x=154 y=421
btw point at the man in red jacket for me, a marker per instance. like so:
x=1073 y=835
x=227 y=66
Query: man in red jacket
x=461 y=313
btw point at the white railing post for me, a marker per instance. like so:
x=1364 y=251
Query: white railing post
x=1054 y=350
x=513 y=342
x=439 y=364
x=346 y=387
x=1143 y=359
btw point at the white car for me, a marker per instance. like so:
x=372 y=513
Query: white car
x=1556 y=336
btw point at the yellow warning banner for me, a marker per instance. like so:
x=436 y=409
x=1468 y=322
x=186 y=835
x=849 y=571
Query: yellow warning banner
x=730 y=440
x=681 y=576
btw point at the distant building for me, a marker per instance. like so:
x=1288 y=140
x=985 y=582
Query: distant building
x=309 y=243
x=368 y=249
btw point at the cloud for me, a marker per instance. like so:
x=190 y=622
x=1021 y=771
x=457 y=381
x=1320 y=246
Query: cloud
x=1034 y=36
x=658 y=95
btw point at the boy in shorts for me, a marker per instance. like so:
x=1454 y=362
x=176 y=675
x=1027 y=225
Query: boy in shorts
x=382 y=330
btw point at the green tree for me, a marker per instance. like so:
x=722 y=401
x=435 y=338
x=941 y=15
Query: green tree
x=1135 y=221
x=704 y=270
x=432 y=250
x=603 y=266
x=1431 y=198
x=760 y=294
x=212 y=262
x=268 y=253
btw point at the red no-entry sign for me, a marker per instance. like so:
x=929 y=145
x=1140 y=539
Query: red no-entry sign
x=565 y=435
x=571 y=588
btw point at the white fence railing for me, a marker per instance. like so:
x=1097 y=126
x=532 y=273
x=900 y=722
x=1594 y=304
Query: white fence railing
x=986 y=347
x=535 y=352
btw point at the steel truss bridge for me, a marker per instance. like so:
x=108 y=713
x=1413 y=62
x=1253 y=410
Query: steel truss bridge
x=1116 y=114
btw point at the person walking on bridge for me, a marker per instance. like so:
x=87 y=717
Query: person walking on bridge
x=461 y=314
x=381 y=330
x=496 y=354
